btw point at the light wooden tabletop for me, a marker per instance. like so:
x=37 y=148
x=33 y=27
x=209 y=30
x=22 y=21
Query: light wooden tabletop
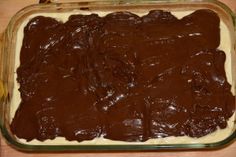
x=7 y=9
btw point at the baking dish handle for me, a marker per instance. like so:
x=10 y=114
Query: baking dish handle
x=2 y=91
x=85 y=1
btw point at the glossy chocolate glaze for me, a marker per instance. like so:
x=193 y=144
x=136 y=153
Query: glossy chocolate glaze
x=122 y=77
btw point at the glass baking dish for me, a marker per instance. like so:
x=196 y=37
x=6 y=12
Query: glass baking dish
x=7 y=63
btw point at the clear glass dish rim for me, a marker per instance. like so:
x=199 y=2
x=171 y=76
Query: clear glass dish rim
x=139 y=147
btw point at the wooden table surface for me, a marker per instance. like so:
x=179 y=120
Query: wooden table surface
x=7 y=9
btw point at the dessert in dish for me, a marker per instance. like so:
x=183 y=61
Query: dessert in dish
x=122 y=77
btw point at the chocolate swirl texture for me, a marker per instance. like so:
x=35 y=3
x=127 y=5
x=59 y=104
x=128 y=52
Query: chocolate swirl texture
x=122 y=77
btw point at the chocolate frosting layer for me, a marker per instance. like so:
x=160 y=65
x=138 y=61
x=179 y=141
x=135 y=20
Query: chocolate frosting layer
x=122 y=77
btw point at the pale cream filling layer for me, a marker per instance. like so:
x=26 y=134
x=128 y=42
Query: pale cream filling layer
x=216 y=136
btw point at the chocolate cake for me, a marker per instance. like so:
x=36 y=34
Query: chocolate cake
x=122 y=77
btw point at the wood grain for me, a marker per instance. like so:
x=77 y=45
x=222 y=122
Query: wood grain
x=7 y=9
